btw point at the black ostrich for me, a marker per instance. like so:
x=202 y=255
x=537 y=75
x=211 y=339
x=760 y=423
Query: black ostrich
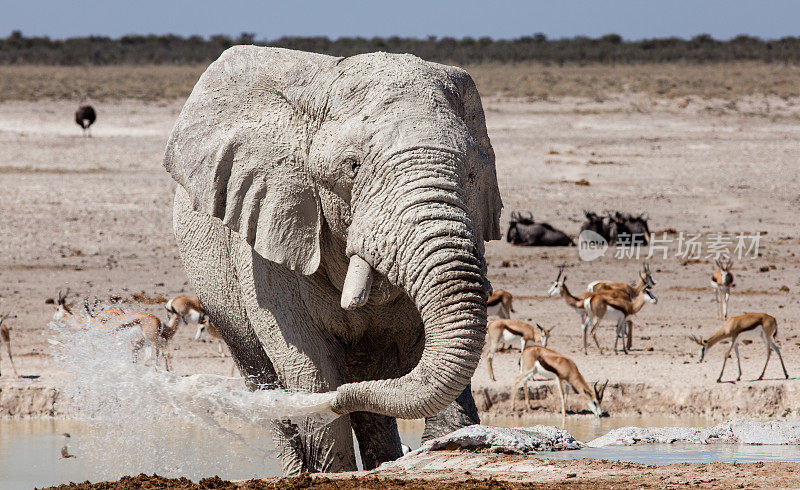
x=85 y=117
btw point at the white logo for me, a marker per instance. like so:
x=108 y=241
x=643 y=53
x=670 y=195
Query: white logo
x=591 y=245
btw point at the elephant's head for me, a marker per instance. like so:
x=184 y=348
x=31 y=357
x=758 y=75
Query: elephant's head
x=379 y=168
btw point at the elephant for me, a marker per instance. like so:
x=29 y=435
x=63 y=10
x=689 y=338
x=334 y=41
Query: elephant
x=331 y=215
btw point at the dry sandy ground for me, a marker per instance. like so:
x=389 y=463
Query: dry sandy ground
x=94 y=215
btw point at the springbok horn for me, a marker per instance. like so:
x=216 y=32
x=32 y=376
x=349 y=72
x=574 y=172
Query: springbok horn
x=86 y=307
x=357 y=283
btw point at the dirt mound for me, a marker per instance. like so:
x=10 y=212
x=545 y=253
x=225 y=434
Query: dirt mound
x=527 y=473
x=293 y=483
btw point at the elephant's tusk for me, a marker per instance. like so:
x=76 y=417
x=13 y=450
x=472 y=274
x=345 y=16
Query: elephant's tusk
x=357 y=283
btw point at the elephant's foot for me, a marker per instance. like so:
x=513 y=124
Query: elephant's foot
x=461 y=413
x=378 y=438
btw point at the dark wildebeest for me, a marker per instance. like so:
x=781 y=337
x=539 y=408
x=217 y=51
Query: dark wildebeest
x=637 y=225
x=85 y=117
x=634 y=229
x=594 y=223
x=522 y=230
x=614 y=226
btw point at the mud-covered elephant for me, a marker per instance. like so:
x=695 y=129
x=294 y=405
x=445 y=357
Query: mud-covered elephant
x=331 y=215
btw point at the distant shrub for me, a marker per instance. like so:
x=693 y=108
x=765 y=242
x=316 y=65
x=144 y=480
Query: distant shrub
x=611 y=49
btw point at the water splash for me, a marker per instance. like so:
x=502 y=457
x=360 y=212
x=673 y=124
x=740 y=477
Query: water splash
x=141 y=418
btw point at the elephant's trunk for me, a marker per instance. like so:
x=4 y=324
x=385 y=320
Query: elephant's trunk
x=430 y=252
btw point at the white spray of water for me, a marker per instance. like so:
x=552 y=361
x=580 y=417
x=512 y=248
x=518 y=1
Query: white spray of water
x=145 y=419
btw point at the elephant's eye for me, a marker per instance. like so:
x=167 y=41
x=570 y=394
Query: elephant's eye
x=351 y=164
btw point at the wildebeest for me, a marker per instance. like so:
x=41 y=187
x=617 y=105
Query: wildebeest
x=617 y=226
x=85 y=117
x=594 y=222
x=637 y=226
x=523 y=230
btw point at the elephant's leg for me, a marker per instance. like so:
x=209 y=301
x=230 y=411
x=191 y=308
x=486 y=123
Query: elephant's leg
x=308 y=448
x=378 y=438
x=212 y=255
x=461 y=413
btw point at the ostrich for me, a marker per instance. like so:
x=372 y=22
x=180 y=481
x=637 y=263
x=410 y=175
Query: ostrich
x=85 y=117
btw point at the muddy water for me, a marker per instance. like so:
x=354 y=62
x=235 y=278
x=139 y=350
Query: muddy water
x=30 y=450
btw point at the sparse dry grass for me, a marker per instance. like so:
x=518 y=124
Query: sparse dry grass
x=155 y=82
x=668 y=80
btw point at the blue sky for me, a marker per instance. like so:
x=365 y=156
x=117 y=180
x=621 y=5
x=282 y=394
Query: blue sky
x=633 y=19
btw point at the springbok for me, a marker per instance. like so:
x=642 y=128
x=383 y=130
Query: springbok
x=552 y=365
x=507 y=331
x=149 y=330
x=189 y=310
x=631 y=291
x=559 y=286
x=732 y=328
x=209 y=327
x=722 y=282
x=154 y=334
x=644 y=279
x=599 y=306
x=5 y=338
x=499 y=304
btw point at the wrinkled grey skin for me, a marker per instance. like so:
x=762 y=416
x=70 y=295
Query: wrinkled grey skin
x=289 y=163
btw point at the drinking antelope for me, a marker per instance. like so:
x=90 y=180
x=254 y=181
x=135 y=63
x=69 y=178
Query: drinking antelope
x=499 y=304
x=5 y=338
x=507 y=331
x=722 y=282
x=762 y=323
x=552 y=365
x=600 y=306
x=645 y=279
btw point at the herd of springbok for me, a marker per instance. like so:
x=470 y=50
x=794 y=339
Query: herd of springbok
x=618 y=302
x=146 y=330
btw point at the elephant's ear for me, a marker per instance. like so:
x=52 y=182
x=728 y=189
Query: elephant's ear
x=468 y=105
x=238 y=148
